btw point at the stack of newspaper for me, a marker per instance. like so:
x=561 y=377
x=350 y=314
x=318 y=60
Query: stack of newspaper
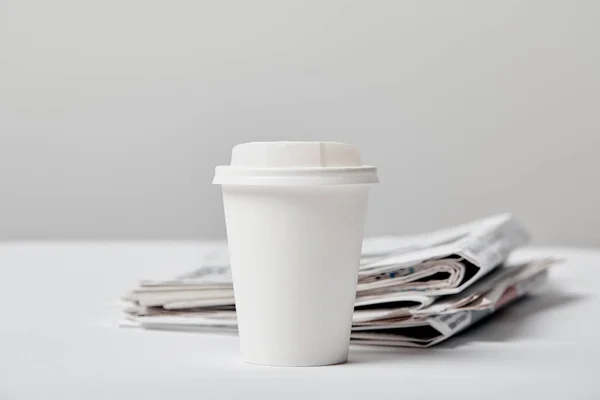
x=412 y=291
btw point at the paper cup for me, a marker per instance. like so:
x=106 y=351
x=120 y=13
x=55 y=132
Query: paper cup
x=295 y=215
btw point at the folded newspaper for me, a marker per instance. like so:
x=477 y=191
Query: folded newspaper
x=392 y=326
x=412 y=291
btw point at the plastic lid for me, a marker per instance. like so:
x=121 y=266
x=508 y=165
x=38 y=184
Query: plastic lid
x=295 y=164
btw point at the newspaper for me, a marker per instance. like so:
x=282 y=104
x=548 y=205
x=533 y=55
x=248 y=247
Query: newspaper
x=441 y=262
x=444 y=319
x=412 y=290
x=409 y=271
x=424 y=327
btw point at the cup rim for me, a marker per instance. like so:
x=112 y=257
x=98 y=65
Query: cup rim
x=295 y=176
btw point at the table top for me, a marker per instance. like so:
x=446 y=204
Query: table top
x=59 y=338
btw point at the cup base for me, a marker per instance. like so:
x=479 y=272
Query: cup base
x=292 y=363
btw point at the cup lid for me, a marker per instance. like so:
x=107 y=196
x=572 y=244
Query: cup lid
x=295 y=164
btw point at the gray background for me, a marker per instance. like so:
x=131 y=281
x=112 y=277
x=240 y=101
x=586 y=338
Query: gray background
x=114 y=113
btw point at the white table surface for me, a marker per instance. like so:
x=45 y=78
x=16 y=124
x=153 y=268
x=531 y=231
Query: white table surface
x=59 y=338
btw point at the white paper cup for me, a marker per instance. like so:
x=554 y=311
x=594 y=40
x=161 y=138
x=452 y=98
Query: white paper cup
x=295 y=215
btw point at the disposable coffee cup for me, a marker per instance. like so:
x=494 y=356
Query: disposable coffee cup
x=295 y=216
